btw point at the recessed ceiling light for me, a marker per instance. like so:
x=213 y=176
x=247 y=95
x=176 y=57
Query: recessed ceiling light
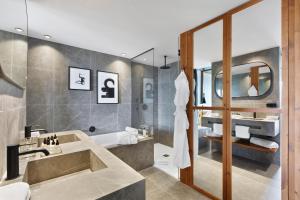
x=47 y=37
x=123 y=54
x=19 y=29
x=144 y=59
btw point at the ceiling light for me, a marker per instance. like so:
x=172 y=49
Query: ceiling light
x=144 y=59
x=47 y=37
x=123 y=54
x=19 y=29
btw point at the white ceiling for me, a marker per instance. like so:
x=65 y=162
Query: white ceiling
x=254 y=29
x=116 y=26
x=13 y=15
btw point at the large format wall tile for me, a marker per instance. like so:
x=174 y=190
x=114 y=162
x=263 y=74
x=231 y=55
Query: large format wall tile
x=65 y=109
x=39 y=54
x=124 y=117
x=166 y=107
x=67 y=117
x=41 y=116
x=40 y=88
x=104 y=117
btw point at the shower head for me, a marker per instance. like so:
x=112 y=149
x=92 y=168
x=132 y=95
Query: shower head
x=165 y=66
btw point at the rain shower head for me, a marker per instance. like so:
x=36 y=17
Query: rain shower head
x=165 y=66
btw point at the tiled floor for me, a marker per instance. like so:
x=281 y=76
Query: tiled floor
x=161 y=186
x=251 y=180
x=247 y=184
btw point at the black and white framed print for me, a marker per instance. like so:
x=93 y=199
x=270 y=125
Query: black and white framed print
x=107 y=87
x=148 y=90
x=79 y=78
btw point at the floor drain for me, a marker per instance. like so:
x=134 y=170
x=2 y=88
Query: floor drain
x=166 y=155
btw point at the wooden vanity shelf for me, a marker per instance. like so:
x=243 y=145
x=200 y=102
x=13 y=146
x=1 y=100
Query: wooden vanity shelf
x=244 y=144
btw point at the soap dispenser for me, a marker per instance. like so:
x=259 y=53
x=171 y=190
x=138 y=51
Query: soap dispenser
x=27 y=139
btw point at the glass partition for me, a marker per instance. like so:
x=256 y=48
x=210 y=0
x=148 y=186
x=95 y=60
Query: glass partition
x=256 y=77
x=256 y=56
x=208 y=126
x=144 y=92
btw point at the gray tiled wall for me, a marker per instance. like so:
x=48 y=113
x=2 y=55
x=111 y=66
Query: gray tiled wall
x=166 y=107
x=13 y=57
x=52 y=106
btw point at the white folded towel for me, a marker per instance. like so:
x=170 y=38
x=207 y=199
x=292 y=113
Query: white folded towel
x=132 y=130
x=212 y=115
x=128 y=138
x=15 y=191
x=272 y=117
x=218 y=129
x=242 y=132
x=264 y=143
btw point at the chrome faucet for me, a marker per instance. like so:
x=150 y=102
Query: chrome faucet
x=13 y=159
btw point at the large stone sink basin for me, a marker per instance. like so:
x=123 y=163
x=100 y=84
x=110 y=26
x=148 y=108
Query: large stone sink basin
x=62 y=139
x=53 y=167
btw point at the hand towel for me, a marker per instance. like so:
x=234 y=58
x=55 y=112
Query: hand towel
x=242 y=132
x=15 y=191
x=218 y=129
x=272 y=117
x=131 y=130
x=128 y=138
x=264 y=143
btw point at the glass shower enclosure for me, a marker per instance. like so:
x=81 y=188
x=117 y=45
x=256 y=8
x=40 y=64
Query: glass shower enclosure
x=144 y=92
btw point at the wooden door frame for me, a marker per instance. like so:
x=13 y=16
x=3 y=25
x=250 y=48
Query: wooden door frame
x=289 y=107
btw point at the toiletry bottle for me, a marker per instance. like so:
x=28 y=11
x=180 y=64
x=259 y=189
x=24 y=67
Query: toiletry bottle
x=144 y=132
x=27 y=140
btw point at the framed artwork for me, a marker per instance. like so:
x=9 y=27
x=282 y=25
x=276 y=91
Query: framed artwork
x=107 y=87
x=148 y=90
x=79 y=78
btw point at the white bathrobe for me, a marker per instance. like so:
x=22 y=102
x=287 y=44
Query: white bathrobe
x=181 y=124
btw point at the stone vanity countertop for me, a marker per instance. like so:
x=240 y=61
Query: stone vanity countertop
x=92 y=185
x=246 y=118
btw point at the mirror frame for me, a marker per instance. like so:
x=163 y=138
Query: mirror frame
x=259 y=97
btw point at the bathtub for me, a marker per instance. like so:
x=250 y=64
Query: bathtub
x=110 y=140
x=138 y=156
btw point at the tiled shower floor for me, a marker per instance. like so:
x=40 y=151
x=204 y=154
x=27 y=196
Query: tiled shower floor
x=163 y=159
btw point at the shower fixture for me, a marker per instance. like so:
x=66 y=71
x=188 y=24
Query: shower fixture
x=165 y=66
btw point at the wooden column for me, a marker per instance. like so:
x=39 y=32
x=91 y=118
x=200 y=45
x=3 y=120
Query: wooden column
x=227 y=145
x=186 y=63
x=294 y=98
x=284 y=133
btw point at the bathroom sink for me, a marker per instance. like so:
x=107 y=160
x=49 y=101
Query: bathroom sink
x=259 y=119
x=54 y=167
x=251 y=118
x=62 y=139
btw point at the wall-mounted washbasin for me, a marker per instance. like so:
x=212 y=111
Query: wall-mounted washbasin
x=62 y=139
x=53 y=167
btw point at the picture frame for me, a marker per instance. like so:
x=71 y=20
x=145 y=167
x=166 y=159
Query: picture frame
x=80 y=79
x=148 y=90
x=107 y=87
